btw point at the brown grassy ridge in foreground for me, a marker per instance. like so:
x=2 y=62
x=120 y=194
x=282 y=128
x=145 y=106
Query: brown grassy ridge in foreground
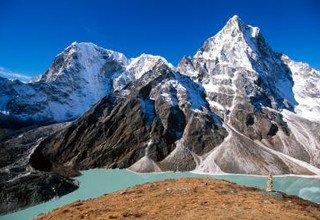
x=189 y=198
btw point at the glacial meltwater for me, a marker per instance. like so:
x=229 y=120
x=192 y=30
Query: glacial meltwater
x=96 y=182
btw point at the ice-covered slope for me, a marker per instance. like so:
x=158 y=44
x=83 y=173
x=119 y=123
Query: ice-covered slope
x=237 y=63
x=238 y=60
x=306 y=89
x=250 y=86
x=78 y=77
x=136 y=68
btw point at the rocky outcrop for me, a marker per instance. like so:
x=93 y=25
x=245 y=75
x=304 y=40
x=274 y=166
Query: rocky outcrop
x=20 y=185
x=33 y=189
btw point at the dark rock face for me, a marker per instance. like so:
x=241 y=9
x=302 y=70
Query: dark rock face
x=18 y=144
x=157 y=116
x=20 y=185
x=33 y=189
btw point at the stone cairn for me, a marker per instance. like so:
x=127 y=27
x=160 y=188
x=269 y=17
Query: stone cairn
x=269 y=183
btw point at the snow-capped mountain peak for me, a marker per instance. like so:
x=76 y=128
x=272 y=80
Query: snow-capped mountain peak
x=79 y=76
x=237 y=45
x=137 y=67
x=242 y=47
x=236 y=24
x=144 y=63
x=293 y=85
x=84 y=57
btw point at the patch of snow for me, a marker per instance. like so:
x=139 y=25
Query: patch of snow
x=306 y=89
x=144 y=63
x=5 y=112
x=150 y=142
x=254 y=31
x=5 y=73
x=216 y=105
x=191 y=90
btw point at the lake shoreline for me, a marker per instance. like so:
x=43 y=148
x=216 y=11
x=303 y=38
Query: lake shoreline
x=97 y=182
x=185 y=198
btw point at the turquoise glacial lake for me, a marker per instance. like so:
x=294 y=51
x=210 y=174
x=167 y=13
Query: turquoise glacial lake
x=96 y=182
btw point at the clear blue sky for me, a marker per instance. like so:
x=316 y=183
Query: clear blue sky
x=33 y=32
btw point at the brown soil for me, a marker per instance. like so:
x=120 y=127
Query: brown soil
x=189 y=198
